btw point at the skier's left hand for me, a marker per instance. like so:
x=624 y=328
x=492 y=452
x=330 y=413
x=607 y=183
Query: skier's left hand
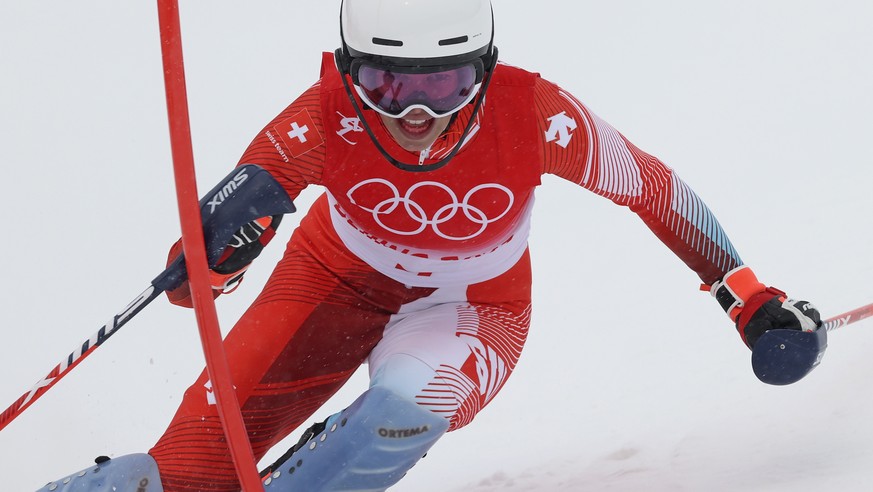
x=756 y=308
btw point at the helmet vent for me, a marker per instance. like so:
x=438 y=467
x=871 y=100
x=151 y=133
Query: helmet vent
x=389 y=42
x=451 y=41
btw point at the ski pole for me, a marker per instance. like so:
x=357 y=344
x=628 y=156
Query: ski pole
x=79 y=354
x=246 y=194
x=848 y=318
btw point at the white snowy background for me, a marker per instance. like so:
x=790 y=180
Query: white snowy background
x=631 y=380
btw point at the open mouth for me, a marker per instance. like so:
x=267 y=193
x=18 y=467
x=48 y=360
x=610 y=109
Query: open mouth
x=416 y=127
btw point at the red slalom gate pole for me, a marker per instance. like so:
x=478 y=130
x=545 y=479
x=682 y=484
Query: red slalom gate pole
x=195 y=249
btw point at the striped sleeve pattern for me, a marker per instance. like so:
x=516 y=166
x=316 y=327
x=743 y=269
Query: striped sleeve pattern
x=582 y=148
x=268 y=150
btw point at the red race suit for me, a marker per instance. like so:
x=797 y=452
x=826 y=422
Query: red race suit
x=423 y=275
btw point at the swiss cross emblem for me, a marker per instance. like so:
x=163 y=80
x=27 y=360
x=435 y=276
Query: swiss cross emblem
x=299 y=133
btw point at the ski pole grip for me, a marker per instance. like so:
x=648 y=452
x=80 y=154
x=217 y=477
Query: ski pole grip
x=174 y=276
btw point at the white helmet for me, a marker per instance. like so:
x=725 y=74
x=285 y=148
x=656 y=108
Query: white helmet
x=417 y=29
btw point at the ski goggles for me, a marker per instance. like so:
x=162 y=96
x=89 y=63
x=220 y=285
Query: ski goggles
x=396 y=90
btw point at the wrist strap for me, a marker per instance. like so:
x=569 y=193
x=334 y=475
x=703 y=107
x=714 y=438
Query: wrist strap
x=737 y=287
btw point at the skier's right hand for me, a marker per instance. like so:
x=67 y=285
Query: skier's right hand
x=246 y=244
x=756 y=308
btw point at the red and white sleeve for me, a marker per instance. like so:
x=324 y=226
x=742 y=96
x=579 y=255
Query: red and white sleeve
x=582 y=148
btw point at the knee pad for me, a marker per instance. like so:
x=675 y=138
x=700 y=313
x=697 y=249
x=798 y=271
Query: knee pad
x=367 y=447
x=129 y=473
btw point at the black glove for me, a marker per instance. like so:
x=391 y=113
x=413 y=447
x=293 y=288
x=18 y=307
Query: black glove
x=756 y=309
x=245 y=245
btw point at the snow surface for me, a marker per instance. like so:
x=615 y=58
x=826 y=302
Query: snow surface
x=632 y=380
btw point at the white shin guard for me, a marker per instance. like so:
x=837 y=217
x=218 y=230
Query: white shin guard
x=129 y=473
x=367 y=447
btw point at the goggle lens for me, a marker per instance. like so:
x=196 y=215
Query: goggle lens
x=392 y=92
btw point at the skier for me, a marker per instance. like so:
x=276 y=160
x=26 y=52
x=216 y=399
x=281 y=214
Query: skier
x=415 y=258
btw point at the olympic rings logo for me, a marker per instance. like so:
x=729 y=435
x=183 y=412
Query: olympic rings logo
x=437 y=220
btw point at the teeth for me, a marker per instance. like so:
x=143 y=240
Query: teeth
x=416 y=122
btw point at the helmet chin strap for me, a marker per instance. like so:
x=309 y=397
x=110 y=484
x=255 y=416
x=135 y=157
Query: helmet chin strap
x=445 y=160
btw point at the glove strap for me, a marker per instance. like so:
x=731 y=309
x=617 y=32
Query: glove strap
x=735 y=289
x=228 y=282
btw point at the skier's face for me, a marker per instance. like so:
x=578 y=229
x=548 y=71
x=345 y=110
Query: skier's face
x=417 y=130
